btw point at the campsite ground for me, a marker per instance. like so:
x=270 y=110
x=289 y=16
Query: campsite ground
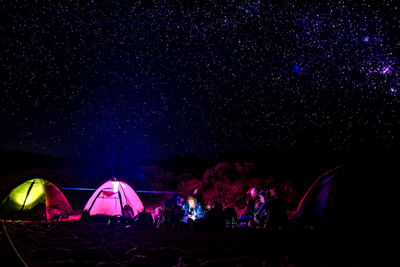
x=80 y=243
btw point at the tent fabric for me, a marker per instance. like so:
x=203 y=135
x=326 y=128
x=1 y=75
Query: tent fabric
x=31 y=193
x=358 y=196
x=114 y=198
x=315 y=199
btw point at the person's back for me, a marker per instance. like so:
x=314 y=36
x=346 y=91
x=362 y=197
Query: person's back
x=250 y=211
x=173 y=201
x=276 y=210
x=144 y=220
x=215 y=217
x=172 y=212
x=230 y=217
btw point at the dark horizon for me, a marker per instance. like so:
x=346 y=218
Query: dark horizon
x=303 y=163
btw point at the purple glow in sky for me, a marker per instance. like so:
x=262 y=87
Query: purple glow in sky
x=386 y=70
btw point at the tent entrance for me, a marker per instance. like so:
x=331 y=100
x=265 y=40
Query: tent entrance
x=109 y=199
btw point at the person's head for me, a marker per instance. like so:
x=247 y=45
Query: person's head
x=175 y=196
x=198 y=194
x=192 y=202
x=262 y=196
x=253 y=192
x=274 y=193
x=210 y=205
x=158 y=210
x=180 y=200
x=268 y=195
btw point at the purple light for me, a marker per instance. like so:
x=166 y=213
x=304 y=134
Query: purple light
x=366 y=39
x=386 y=70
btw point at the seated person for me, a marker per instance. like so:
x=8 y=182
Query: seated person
x=275 y=211
x=144 y=220
x=214 y=218
x=251 y=203
x=157 y=215
x=258 y=209
x=176 y=201
x=172 y=212
x=193 y=210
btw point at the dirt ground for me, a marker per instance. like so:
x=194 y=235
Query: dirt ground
x=97 y=244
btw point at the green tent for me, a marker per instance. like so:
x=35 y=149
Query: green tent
x=36 y=197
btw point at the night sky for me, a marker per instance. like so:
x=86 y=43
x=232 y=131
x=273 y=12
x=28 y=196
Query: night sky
x=129 y=80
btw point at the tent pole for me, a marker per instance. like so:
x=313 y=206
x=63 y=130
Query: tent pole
x=27 y=194
x=95 y=199
x=120 y=202
x=123 y=191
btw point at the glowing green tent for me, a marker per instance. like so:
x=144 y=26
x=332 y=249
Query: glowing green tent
x=36 y=197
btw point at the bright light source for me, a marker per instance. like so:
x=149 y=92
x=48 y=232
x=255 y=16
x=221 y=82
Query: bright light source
x=386 y=70
x=115 y=185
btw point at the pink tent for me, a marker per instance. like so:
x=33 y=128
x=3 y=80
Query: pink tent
x=114 y=198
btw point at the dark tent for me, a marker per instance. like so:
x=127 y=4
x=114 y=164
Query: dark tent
x=358 y=196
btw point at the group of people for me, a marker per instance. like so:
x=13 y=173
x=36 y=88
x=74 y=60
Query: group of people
x=179 y=213
x=264 y=209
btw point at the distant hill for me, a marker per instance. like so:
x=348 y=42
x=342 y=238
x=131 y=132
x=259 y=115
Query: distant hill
x=301 y=165
x=294 y=163
x=16 y=160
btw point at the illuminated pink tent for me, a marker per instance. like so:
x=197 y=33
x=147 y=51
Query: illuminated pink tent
x=114 y=198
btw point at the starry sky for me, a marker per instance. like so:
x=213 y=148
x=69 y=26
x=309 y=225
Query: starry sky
x=129 y=80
